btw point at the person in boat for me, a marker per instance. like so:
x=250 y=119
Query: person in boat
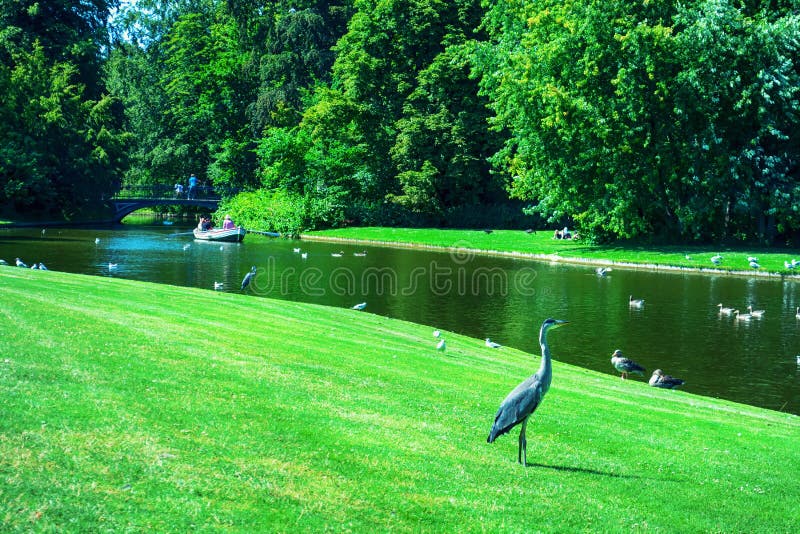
x=227 y=223
x=205 y=224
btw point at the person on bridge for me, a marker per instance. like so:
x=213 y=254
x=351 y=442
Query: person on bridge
x=178 y=190
x=192 y=187
x=227 y=223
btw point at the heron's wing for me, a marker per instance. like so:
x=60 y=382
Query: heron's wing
x=518 y=405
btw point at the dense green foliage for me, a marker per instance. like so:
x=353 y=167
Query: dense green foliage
x=660 y=119
x=144 y=407
x=61 y=142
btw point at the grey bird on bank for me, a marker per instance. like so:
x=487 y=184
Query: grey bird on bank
x=625 y=365
x=248 y=277
x=526 y=397
x=660 y=380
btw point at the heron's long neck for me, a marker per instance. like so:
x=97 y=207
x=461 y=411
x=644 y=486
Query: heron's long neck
x=545 y=367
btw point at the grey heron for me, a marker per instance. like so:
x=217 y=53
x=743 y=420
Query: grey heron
x=625 y=365
x=660 y=380
x=492 y=345
x=248 y=277
x=526 y=397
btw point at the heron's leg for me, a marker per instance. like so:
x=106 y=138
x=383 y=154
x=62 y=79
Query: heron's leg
x=522 y=457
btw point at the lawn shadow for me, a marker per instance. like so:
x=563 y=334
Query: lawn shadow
x=581 y=470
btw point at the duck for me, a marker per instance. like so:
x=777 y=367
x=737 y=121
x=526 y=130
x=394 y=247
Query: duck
x=492 y=345
x=755 y=313
x=625 y=365
x=635 y=303
x=660 y=380
x=723 y=310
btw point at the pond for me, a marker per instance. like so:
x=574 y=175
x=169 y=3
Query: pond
x=679 y=329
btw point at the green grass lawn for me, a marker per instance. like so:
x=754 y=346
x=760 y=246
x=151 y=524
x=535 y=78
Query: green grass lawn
x=129 y=406
x=541 y=243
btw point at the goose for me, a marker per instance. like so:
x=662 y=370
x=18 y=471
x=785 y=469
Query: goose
x=660 y=380
x=21 y=263
x=3 y=262
x=492 y=345
x=602 y=271
x=96 y=240
x=437 y=333
x=42 y=267
x=441 y=346
x=360 y=254
x=625 y=365
x=635 y=303
x=788 y=265
x=754 y=265
x=723 y=310
x=742 y=316
x=755 y=313
x=112 y=265
x=360 y=306
x=717 y=259
x=218 y=286
x=798 y=313
x=35 y=266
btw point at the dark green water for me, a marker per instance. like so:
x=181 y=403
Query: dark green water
x=678 y=330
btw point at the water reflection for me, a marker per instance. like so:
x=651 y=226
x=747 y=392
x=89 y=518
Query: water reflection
x=679 y=328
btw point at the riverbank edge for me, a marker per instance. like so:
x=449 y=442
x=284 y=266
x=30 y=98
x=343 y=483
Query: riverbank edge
x=552 y=258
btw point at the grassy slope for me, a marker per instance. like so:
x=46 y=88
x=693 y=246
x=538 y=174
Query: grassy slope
x=135 y=406
x=542 y=243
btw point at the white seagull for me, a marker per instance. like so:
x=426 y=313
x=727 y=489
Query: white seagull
x=360 y=306
x=492 y=345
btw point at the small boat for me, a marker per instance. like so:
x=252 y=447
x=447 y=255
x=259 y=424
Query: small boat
x=231 y=235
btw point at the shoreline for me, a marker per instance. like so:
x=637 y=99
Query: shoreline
x=555 y=258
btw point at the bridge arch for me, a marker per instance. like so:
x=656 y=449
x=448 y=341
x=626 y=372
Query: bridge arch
x=132 y=198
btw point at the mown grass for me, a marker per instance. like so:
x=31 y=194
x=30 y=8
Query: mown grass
x=542 y=243
x=130 y=406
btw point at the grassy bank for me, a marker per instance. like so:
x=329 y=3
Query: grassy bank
x=130 y=406
x=542 y=244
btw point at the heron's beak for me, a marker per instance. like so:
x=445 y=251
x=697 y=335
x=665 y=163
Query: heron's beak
x=560 y=323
